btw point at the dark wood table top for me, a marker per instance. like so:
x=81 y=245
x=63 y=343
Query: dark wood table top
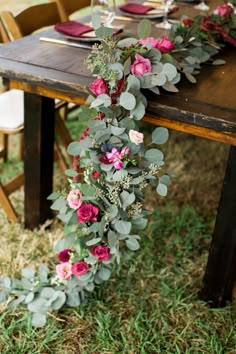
x=210 y=103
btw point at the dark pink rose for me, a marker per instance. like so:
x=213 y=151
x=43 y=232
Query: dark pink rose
x=87 y=212
x=187 y=22
x=141 y=65
x=101 y=252
x=64 y=256
x=98 y=87
x=165 y=45
x=79 y=268
x=149 y=40
x=224 y=10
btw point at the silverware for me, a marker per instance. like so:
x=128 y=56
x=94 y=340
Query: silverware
x=65 y=42
x=123 y=18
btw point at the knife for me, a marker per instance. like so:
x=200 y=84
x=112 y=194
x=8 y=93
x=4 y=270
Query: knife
x=65 y=42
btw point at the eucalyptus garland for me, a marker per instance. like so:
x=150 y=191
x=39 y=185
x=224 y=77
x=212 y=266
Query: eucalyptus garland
x=103 y=207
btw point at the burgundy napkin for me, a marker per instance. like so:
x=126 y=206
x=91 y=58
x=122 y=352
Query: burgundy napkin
x=134 y=8
x=72 y=28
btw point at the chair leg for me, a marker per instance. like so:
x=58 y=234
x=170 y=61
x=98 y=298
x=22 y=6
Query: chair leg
x=7 y=205
x=21 y=150
x=4 y=150
x=59 y=158
x=5 y=191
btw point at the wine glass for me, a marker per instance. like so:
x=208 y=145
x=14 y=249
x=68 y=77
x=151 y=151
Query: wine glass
x=106 y=9
x=165 y=24
x=202 y=6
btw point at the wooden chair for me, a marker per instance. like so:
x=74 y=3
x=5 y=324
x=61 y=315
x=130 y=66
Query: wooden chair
x=68 y=7
x=12 y=102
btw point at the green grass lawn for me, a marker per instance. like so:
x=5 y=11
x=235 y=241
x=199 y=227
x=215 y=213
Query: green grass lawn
x=152 y=306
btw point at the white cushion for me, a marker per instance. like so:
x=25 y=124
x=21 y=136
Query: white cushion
x=11 y=109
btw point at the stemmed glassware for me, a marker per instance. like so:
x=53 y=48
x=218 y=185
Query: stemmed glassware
x=202 y=6
x=106 y=9
x=165 y=24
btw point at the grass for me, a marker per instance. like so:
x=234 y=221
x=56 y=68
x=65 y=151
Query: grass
x=152 y=306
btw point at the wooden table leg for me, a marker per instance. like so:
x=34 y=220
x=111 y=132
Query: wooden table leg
x=38 y=158
x=221 y=267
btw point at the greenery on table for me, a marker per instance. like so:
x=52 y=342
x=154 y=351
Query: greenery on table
x=117 y=166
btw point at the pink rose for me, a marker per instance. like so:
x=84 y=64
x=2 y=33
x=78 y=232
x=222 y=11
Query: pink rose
x=150 y=40
x=64 y=270
x=98 y=87
x=115 y=157
x=224 y=10
x=79 y=268
x=125 y=151
x=74 y=199
x=141 y=65
x=135 y=137
x=101 y=252
x=87 y=212
x=64 y=256
x=165 y=45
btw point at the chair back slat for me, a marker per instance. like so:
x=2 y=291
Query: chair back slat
x=4 y=38
x=67 y=7
x=31 y=19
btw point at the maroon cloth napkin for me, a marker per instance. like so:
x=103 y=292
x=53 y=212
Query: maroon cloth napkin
x=72 y=28
x=134 y=8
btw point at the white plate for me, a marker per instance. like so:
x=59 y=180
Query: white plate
x=87 y=37
x=150 y=14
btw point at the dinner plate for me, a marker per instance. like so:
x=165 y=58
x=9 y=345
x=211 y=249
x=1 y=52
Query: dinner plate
x=91 y=36
x=87 y=37
x=150 y=14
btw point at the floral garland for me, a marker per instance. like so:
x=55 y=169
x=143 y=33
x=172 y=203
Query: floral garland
x=103 y=211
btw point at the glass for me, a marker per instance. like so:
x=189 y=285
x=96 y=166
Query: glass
x=106 y=9
x=165 y=24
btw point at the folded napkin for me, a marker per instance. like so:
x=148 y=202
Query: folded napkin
x=134 y=8
x=72 y=28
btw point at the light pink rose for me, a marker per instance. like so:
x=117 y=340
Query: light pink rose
x=165 y=45
x=74 y=199
x=141 y=65
x=224 y=10
x=64 y=270
x=135 y=137
x=79 y=268
x=101 y=252
x=87 y=212
x=149 y=40
x=98 y=87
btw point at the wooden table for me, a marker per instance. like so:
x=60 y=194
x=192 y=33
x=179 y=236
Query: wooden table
x=208 y=109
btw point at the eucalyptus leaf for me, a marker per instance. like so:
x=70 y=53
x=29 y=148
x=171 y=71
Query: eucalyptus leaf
x=154 y=155
x=127 y=100
x=104 y=273
x=161 y=189
x=160 y=136
x=38 y=320
x=123 y=227
x=53 y=196
x=132 y=244
x=144 y=28
x=94 y=241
